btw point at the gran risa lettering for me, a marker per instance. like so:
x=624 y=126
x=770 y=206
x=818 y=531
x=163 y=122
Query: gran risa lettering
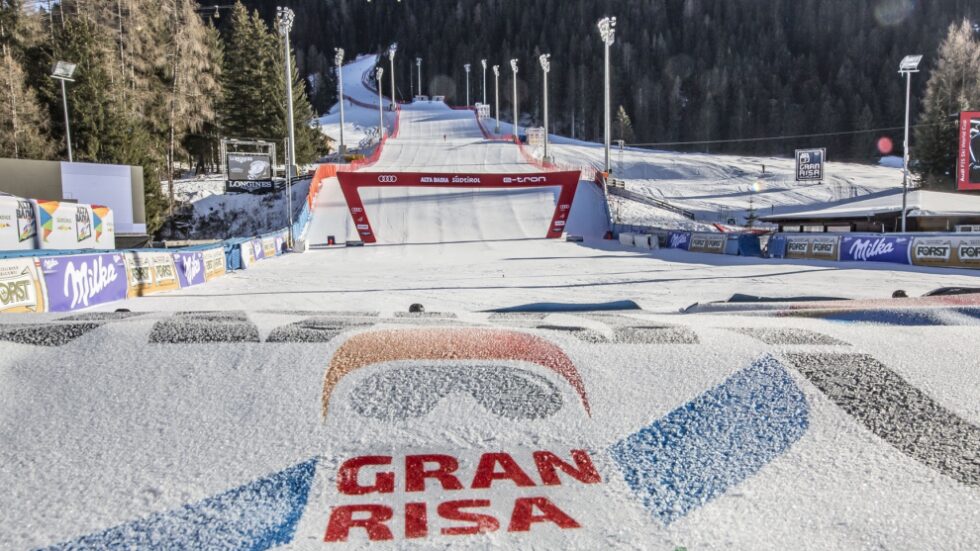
x=465 y=514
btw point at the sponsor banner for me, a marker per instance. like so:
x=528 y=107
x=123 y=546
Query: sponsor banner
x=248 y=253
x=678 y=240
x=103 y=224
x=65 y=225
x=246 y=167
x=258 y=251
x=269 y=248
x=875 y=248
x=351 y=181
x=190 y=268
x=79 y=281
x=809 y=164
x=149 y=273
x=707 y=243
x=947 y=251
x=968 y=160
x=17 y=227
x=250 y=186
x=281 y=243
x=214 y=263
x=816 y=248
x=21 y=287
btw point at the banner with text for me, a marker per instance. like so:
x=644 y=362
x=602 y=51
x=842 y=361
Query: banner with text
x=968 y=161
x=21 y=287
x=79 y=281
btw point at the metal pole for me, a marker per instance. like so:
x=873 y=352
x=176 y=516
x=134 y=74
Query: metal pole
x=64 y=101
x=290 y=168
x=339 y=59
x=418 y=62
x=467 y=85
x=606 y=109
x=513 y=66
x=546 y=67
x=381 y=109
x=496 y=92
x=484 y=63
x=391 y=61
x=905 y=152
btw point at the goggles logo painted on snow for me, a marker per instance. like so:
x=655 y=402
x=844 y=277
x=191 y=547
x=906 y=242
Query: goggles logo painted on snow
x=502 y=390
x=434 y=344
x=387 y=178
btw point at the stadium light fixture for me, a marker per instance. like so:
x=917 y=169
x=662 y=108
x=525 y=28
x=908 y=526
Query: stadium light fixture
x=496 y=93
x=63 y=71
x=339 y=61
x=418 y=64
x=513 y=67
x=908 y=65
x=284 y=21
x=379 y=72
x=607 y=30
x=545 y=60
x=484 y=63
x=466 y=66
x=391 y=60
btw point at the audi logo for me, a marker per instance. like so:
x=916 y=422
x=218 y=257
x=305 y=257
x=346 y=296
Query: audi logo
x=387 y=179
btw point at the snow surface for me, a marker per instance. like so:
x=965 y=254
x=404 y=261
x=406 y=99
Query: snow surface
x=919 y=203
x=360 y=123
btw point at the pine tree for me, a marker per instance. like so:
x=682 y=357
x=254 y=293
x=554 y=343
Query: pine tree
x=24 y=124
x=624 y=125
x=750 y=215
x=953 y=86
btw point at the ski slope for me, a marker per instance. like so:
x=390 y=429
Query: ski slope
x=434 y=138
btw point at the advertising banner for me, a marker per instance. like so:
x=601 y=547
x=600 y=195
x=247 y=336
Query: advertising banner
x=678 y=240
x=17 y=227
x=64 y=225
x=948 y=251
x=707 y=243
x=190 y=268
x=813 y=247
x=150 y=273
x=281 y=242
x=250 y=186
x=872 y=248
x=269 y=247
x=248 y=253
x=214 y=263
x=79 y=281
x=249 y=167
x=968 y=160
x=351 y=181
x=809 y=164
x=104 y=226
x=21 y=287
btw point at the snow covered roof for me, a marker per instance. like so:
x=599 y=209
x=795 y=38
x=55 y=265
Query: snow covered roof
x=920 y=203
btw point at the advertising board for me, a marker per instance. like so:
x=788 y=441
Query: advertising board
x=190 y=268
x=79 y=281
x=810 y=164
x=947 y=251
x=149 y=273
x=67 y=226
x=17 y=227
x=871 y=248
x=968 y=160
x=707 y=243
x=21 y=287
x=214 y=263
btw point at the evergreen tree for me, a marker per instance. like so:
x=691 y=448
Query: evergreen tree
x=24 y=124
x=624 y=125
x=953 y=86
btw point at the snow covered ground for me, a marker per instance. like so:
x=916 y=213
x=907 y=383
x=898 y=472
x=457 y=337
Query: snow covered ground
x=360 y=123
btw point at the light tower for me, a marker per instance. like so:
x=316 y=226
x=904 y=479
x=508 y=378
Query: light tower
x=513 y=67
x=607 y=29
x=284 y=19
x=418 y=63
x=909 y=65
x=484 y=63
x=381 y=107
x=545 y=60
x=339 y=61
x=391 y=60
x=467 y=68
x=496 y=93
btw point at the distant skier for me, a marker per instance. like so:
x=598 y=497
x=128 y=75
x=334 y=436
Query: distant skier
x=443 y=137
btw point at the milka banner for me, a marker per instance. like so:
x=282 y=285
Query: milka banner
x=190 y=268
x=80 y=281
x=678 y=240
x=871 y=248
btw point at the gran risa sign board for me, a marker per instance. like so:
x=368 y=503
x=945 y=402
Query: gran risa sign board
x=810 y=164
x=968 y=160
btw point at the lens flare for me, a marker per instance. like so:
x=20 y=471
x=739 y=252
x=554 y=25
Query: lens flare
x=885 y=145
x=757 y=186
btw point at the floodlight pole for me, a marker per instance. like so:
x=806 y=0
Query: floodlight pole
x=285 y=19
x=64 y=102
x=467 y=68
x=909 y=65
x=381 y=107
x=496 y=92
x=484 y=63
x=391 y=61
x=607 y=29
x=513 y=67
x=418 y=64
x=339 y=61
x=545 y=60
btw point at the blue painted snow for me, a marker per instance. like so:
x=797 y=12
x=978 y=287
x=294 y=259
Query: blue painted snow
x=259 y=515
x=702 y=449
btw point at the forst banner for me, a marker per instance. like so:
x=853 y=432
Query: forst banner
x=21 y=289
x=810 y=164
x=350 y=182
x=968 y=162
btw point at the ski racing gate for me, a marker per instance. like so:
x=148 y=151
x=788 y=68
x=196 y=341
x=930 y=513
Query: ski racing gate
x=351 y=183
